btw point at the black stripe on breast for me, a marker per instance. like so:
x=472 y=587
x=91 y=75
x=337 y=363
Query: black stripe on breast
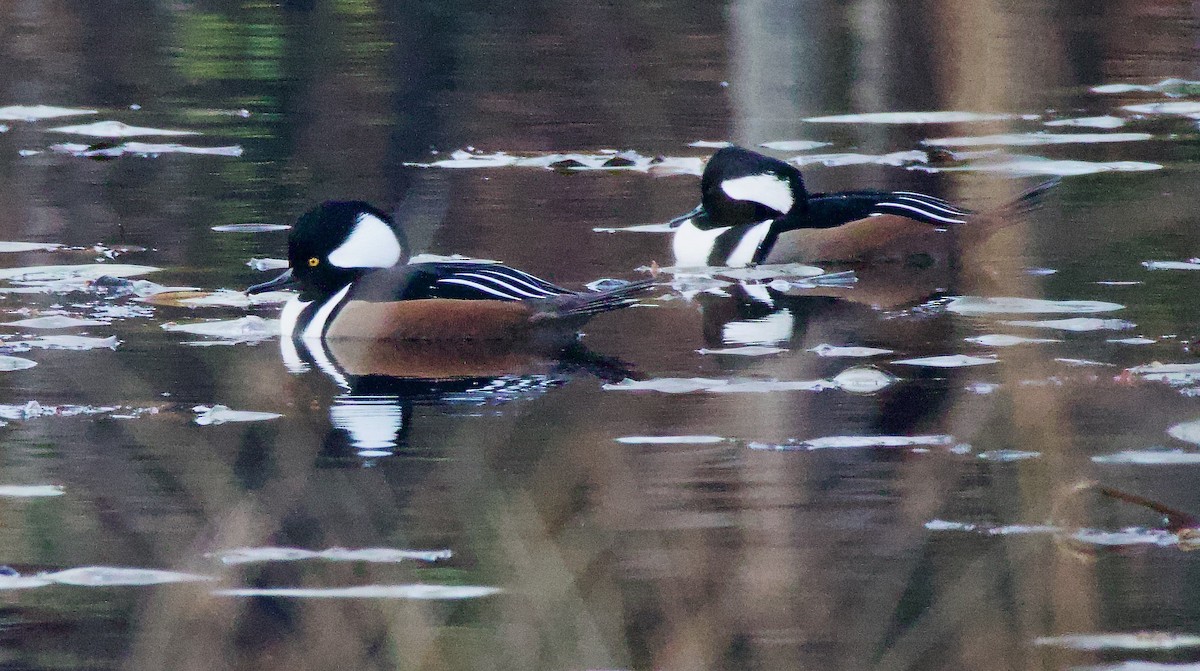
x=725 y=243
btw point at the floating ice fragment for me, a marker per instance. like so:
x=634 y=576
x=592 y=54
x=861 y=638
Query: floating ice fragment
x=896 y=158
x=413 y=591
x=1005 y=340
x=263 y=554
x=267 y=264
x=112 y=576
x=982 y=388
x=220 y=298
x=827 y=350
x=66 y=342
x=91 y=271
x=1182 y=107
x=677 y=165
x=666 y=385
x=1131 y=536
x=1175 y=374
x=1150 y=458
x=107 y=150
x=855 y=380
x=1004 y=456
x=948 y=361
x=1077 y=324
x=1188 y=432
x=946 y=525
x=1037 y=165
x=33 y=409
x=383 y=555
x=603 y=160
x=250 y=228
x=1015 y=529
x=36 y=112
x=1170 y=265
x=54 y=322
x=769 y=272
x=371 y=555
x=911 y=117
x=710 y=144
x=114 y=129
x=1171 y=86
x=1132 y=341
x=863 y=380
x=851 y=442
x=30 y=491
x=976 y=305
x=28 y=246
x=640 y=228
x=670 y=440
x=1090 y=122
x=793 y=145
x=13 y=363
x=220 y=414
x=1081 y=362
x=462 y=159
x=245 y=329
x=1142 y=640
x=763 y=386
x=990 y=529
x=1036 y=139
x=22 y=582
x=747 y=350
x=146 y=149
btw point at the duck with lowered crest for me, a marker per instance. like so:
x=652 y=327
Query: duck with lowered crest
x=755 y=209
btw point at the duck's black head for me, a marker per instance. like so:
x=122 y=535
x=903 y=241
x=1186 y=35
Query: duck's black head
x=334 y=244
x=740 y=186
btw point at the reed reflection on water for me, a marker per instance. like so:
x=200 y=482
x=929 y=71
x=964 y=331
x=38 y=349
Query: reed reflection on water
x=1003 y=515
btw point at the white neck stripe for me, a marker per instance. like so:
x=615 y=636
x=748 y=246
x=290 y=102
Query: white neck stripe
x=747 y=246
x=315 y=328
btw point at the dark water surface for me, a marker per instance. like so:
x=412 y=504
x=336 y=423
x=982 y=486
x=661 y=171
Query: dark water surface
x=557 y=520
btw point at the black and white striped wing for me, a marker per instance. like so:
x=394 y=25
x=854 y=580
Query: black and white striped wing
x=921 y=207
x=492 y=282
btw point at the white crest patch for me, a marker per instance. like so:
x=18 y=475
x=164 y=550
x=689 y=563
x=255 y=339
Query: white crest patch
x=766 y=189
x=371 y=244
x=692 y=245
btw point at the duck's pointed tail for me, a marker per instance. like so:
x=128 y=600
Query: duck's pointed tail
x=1031 y=199
x=593 y=303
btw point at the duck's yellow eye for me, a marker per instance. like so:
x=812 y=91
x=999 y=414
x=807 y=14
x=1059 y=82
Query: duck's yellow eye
x=314 y=262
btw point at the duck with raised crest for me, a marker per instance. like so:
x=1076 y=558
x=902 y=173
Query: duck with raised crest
x=348 y=260
x=754 y=209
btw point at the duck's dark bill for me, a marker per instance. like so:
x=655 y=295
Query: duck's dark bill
x=678 y=221
x=284 y=281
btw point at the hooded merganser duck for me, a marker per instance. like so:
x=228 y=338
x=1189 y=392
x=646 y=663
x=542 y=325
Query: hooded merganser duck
x=348 y=260
x=754 y=209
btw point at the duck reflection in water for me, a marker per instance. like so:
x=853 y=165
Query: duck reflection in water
x=382 y=381
x=391 y=333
